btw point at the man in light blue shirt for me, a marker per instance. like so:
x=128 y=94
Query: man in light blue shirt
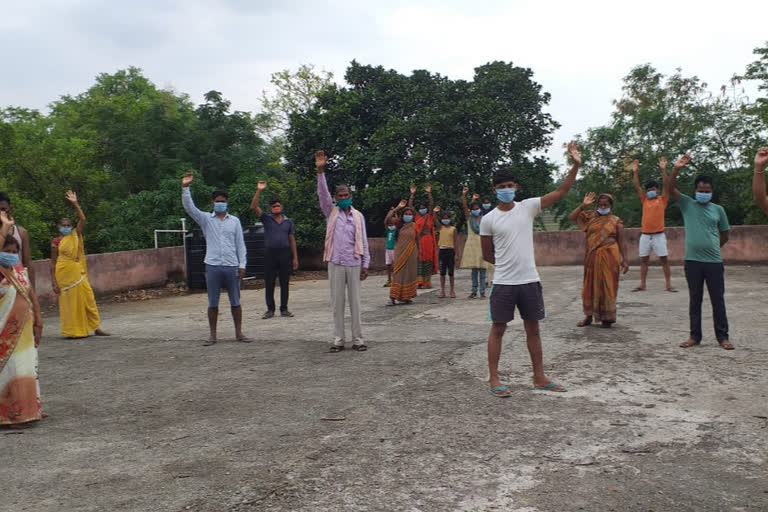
x=224 y=256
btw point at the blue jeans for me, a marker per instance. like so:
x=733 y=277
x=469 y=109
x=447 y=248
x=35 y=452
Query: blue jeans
x=478 y=279
x=218 y=277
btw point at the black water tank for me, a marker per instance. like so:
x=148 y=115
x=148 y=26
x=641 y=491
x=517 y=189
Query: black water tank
x=195 y=247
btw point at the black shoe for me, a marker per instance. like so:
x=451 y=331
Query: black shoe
x=286 y=313
x=268 y=314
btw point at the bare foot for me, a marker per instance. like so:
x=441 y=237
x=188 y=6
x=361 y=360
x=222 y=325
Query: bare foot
x=453 y=294
x=726 y=345
x=587 y=321
x=689 y=343
x=670 y=289
x=639 y=289
x=441 y=295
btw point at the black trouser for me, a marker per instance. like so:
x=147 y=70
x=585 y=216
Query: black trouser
x=697 y=273
x=447 y=257
x=277 y=263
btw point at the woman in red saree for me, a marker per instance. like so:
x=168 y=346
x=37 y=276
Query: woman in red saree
x=21 y=326
x=405 y=280
x=605 y=257
x=424 y=224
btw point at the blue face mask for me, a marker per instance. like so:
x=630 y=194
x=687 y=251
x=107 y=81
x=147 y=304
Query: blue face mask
x=486 y=206
x=8 y=259
x=603 y=211
x=476 y=213
x=423 y=211
x=407 y=218
x=65 y=230
x=344 y=204
x=445 y=221
x=219 y=207
x=505 y=195
x=703 y=197
x=651 y=194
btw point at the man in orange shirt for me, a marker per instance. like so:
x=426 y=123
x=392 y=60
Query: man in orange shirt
x=652 y=237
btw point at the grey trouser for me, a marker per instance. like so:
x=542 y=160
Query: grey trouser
x=345 y=279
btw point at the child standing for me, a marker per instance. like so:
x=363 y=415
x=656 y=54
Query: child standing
x=447 y=250
x=390 y=225
x=472 y=256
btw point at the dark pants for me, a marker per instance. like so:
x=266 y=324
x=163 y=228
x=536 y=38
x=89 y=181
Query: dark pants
x=447 y=259
x=277 y=263
x=697 y=273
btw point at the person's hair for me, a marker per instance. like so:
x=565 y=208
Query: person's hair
x=702 y=178
x=5 y=197
x=445 y=215
x=9 y=241
x=503 y=175
x=274 y=201
x=343 y=186
x=605 y=196
x=65 y=219
x=486 y=199
x=651 y=184
x=220 y=193
x=473 y=205
x=408 y=209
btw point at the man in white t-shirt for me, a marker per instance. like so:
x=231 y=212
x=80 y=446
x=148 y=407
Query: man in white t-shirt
x=506 y=235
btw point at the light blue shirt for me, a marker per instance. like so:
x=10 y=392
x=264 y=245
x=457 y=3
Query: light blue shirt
x=225 y=245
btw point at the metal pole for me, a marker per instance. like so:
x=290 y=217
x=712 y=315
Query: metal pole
x=184 y=243
x=155 y=239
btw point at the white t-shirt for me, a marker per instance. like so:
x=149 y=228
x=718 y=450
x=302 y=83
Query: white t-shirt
x=512 y=233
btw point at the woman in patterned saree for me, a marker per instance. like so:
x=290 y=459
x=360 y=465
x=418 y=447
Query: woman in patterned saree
x=424 y=224
x=21 y=326
x=77 y=305
x=604 y=258
x=405 y=279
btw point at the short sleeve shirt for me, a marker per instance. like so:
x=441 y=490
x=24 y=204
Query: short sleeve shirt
x=391 y=238
x=447 y=236
x=653 y=215
x=703 y=225
x=276 y=235
x=512 y=233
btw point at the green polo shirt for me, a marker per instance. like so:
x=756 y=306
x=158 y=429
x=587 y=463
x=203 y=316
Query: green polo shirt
x=703 y=225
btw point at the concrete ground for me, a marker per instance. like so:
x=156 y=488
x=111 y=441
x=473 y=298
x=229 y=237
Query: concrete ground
x=151 y=420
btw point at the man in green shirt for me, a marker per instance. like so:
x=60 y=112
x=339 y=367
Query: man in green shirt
x=706 y=231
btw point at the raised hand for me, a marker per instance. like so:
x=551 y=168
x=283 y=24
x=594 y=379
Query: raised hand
x=589 y=199
x=573 y=150
x=402 y=204
x=683 y=161
x=320 y=160
x=428 y=188
x=187 y=180
x=436 y=209
x=761 y=158
x=475 y=197
x=71 y=197
x=413 y=189
x=635 y=165
x=465 y=191
x=261 y=186
x=663 y=163
x=5 y=219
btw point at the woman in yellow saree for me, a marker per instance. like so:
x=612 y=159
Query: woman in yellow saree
x=605 y=256
x=405 y=279
x=21 y=326
x=77 y=304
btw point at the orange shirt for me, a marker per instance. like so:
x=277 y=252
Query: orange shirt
x=653 y=214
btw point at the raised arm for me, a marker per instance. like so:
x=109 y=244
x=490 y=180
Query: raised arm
x=395 y=210
x=326 y=201
x=548 y=200
x=435 y=215
x=588 y=200
x=410 y=199
x=188 y=203
x=72 y=198
x=672 y=185
x=758 y=180
x=257 y=197
x=464 y=204
x=636 y=180
x=428 y=190
x=664 y=178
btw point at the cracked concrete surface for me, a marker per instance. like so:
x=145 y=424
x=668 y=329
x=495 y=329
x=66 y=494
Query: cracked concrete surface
x=151 y=420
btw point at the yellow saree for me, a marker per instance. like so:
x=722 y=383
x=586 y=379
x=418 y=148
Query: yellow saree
x=77 y=304
x=601 y=265
x=19 y=387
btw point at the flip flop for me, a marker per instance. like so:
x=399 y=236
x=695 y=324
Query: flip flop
x=552 y=386
x=244 y=339
x=209 y=342
x=336 y=348
x=726 y=345
x=501 y=391
x=688 y=344
x=360 y=348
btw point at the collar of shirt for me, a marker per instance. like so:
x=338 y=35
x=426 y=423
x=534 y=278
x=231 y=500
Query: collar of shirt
x=213 y=214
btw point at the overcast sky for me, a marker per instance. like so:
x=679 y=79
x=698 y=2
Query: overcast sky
x=579 y=51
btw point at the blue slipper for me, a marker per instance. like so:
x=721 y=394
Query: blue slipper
x=501 y=391
x=552 y=386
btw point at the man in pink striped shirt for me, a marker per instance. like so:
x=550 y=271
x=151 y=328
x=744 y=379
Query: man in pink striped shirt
x=346 y=252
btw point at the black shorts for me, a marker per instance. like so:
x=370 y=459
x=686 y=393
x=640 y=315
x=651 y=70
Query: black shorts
x=447 y=261
x=528 y=298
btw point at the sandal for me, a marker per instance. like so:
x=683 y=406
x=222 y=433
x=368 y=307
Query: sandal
x=209 y=342
x=551 y=386
x=726 y=345
x=501 y=391
x=360 y=348
x=689 y=343
x=587 y=321
x=336 y=348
